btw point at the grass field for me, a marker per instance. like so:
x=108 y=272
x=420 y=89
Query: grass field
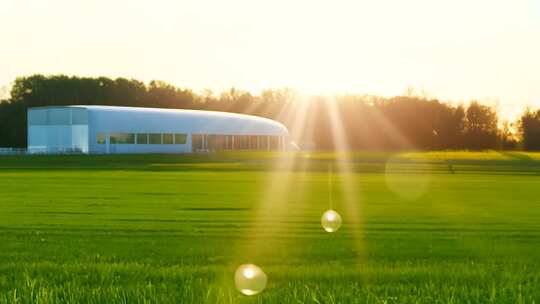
x=439 y=227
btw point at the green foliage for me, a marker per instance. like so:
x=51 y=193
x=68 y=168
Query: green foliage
x=530 y=129
x=481 y=131
x=173 y=229
x=12 y=125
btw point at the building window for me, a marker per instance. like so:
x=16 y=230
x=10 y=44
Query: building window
x=154 y=138
x=101 y=139
x=37 y=117
x=60 y=116
x=168 y=139
x=263 y=143
x=274 y=143
x=253 y=142
x=197 y=142
x=241 y=142
x=142 y=138
x=180 y=139
x=229 y=142
x=217 y=142
x=122 y=138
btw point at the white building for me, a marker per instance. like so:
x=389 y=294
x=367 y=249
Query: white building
x=106 y=129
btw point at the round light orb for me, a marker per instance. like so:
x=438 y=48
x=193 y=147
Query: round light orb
x=250 y=279
x=331 y=221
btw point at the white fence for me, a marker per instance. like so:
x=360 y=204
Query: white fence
x=12 y=151
x=39 y=150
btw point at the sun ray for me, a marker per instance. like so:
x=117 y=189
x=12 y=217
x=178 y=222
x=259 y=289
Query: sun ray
x=390 y=130
x=272 y=212
x=352 y=199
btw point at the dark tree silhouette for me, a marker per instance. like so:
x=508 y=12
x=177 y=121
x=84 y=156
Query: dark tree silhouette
x=480 y=127
x=529 y=125
x=364 y=122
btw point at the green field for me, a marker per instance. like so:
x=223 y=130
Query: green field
x=436 y=227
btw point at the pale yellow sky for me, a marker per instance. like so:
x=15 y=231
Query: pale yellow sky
x=455 y=49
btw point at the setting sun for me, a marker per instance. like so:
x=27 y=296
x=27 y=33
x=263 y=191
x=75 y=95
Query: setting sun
x=457 y=50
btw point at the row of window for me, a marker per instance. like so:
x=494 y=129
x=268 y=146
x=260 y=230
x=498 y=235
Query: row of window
x=58 y=116
x=199 y=141
x=235 y=142
x=143 y=138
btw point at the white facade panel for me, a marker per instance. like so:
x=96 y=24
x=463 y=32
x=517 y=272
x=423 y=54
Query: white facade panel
x=50 y=130
x=60 y=138
x=123 y=119
x=79 y=138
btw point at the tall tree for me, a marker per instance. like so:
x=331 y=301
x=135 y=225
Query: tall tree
x=529 y=125
x=480 y=127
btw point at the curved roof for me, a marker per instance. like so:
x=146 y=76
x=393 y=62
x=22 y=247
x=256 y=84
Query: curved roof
x=131 y=119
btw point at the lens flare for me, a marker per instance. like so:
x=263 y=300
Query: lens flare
x=250 y=279
x=331 y=221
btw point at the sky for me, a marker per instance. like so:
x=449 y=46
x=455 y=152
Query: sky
x=454 y=50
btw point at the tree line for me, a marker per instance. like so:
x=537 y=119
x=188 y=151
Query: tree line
x=351 y=121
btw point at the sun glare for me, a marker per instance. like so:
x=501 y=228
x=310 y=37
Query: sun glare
x=352 y=199
x=355 y=51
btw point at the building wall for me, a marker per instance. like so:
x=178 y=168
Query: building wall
x=107 y=123
x=54 y=130
x=104 y=130
x=109 y=120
